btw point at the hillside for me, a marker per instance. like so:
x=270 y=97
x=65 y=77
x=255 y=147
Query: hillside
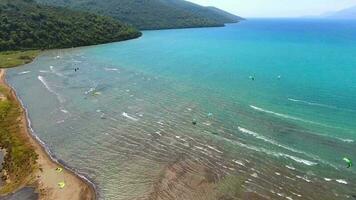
x=152 y=14
x=26 y=25
x=348 y=13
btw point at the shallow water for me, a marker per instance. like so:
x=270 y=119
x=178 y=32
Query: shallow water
x=125 y=118
x=26 y=193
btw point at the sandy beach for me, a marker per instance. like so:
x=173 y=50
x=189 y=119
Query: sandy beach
x=46 y=178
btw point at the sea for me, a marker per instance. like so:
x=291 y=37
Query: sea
x=261 y=109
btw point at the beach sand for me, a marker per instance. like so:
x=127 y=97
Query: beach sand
x=46 y=178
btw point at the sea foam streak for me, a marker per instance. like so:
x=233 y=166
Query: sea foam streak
x=307 y=162
x=272 y=153
x=110 y=69
x=43 y=81
x=24 y=72
x=285 y=116
x=312 y=103
x=129 y=117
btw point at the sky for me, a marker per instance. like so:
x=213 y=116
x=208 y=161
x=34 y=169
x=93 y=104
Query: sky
x=278 y=8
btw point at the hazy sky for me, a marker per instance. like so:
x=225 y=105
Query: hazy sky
x=278 y=8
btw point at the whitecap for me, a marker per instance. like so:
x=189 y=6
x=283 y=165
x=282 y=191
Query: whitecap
x=299 y=160
x=290 y=167
x=43 y=81
x=346 y=140
x=327 y=179
x=258 y=136
x=304 y=178
x=129 y=117
x=24 y=72
x=239 y=162
x=212 y=148
x=341 y=181
x=312 y=103
x=263 y=150
x=90 y=90
x=285 y=116
x=110 y=69
x=64 y=111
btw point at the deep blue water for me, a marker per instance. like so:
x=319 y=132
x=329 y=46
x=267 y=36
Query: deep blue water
x=127 y=113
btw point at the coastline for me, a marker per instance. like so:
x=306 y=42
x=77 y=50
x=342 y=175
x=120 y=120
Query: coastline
x=45 y=178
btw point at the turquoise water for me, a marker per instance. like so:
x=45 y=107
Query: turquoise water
x=126 y=115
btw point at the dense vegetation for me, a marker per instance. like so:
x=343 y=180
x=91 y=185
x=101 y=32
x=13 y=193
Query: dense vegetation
x=26 y=25
x=152 y=14
x=20 y=159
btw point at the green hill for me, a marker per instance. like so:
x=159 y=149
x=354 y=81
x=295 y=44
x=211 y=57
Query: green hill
x=152 y=14
x=26 y=25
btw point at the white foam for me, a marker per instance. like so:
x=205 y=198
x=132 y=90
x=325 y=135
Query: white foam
x=129 y=117
x=239 y=162
x=327 y=179
x=24 y=72
x=90 y=90
x=64 y=111
x=304 y=178
x=110 y=69
x=258 y=136
x=341 y=181
x=285 y=116
x=44 y=71
x=43 y=81
x=278 y=174
x=212 y=148
x=298 y=195
x=312 y=103
x=299 y=160
x=290 y=167
x=55 y=72
x=346 y=140
x=263 y=150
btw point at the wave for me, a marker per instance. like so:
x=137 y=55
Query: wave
x=24 y=72
x=272 y=153
x=287 y=116
x=55 y=72
x=312 y=103
x=111 y=69
x=64 y=111
x=341 y=181
x=90 y=90
x=258 y=136
x=307 y=162
x=320 y=105
x=299 y=160
x=44 y=82
x=129 y=117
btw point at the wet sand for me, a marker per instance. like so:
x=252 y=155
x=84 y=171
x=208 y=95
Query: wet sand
x=46 y=178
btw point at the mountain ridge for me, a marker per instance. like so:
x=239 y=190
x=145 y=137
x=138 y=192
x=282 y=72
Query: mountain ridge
x=152 y=14
x=347 y=13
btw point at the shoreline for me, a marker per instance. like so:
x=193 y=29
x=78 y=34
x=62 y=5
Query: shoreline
x=46 y=178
